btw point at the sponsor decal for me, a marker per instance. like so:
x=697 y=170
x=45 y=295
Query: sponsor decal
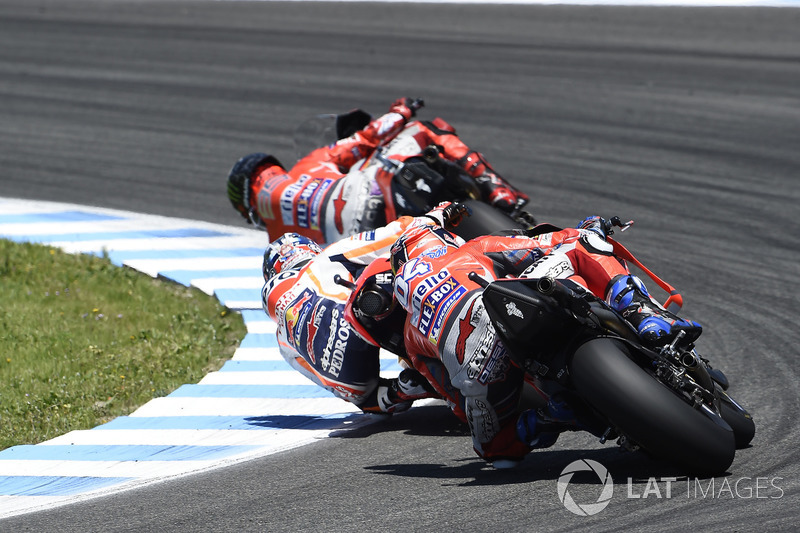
x=264 y=198
x=428 y=296
x=486 y=367
x=444 y=310
x=402 y=283
x=385 y=124
x=481 y=419
x=311 y=334
x=466 y=326
x=334 y=352
x=496 y=366
x=302 y=205
x=287 y=199
x=434 y=252
x=316 y=202
x=421 y=185
x=296 y=316
x=513 y=310
x=338 y=205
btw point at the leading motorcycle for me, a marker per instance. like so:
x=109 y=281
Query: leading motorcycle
x=413 y=179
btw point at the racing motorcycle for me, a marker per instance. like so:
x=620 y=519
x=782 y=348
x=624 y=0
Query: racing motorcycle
x=668 y=402
x=413 y=179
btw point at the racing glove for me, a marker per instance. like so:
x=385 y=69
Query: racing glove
x=406 y=106
x=448 y=213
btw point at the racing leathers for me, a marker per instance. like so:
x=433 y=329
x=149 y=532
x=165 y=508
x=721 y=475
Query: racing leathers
x=452 y=342
x=308 y=304
x=339 y=190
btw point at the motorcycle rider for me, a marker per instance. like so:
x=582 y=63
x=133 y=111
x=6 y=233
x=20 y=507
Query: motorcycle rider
x=309 y=293
x=321 y=199
x=452 y=342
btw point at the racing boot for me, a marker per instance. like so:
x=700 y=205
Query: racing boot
x=495 y=190
x=656 y=326
x=540 y=428
x=396 y=395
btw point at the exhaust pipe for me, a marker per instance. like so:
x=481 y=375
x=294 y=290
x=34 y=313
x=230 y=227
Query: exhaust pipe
x=689 y=360
x=546 y=285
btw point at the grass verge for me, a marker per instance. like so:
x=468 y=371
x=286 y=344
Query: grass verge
x=83 y=341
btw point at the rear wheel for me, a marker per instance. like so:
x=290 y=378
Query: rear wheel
x=484 y=220
x=649 y=413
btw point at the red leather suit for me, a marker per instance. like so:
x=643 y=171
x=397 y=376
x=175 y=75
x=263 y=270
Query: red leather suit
x=327 y=195
x=449 y=336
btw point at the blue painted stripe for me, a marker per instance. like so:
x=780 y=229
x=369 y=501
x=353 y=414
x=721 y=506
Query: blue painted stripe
x=185 y=277
x=254 y=366
x=390 y=364
x=255 y=315
x=59 y=216
x=109 y=236
x=54 y=485
x=127 y=255
x=255 y=423
x=270 y=366
x=219 y=273
x=127 y=452
x=250 y=391
x=259 y=340
x=238 y=295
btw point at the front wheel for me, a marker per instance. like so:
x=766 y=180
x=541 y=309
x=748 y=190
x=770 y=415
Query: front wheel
x=744 y=429
x=649 y=413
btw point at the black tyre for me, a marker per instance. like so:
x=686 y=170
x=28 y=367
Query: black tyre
x=649 y=413
x=744 y=429
x=484 y=220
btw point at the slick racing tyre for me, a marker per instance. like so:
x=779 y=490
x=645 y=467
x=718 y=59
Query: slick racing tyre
x=648 y=413
x=744 y=429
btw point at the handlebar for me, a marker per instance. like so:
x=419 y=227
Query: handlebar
x=616 y=222
x=339 y=280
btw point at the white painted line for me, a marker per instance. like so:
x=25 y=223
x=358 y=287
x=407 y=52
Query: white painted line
x=181 y=406
x=264 y=326
x=257 y=354
x=169 y=243
x=171 y=437
x=195 y=263
x=211 y=285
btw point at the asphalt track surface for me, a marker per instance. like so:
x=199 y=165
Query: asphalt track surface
x=684 y=119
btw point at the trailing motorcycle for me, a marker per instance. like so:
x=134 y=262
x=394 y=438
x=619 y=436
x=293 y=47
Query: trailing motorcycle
x=668 y=402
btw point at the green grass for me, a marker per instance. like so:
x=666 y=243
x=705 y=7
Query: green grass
x=83 y=341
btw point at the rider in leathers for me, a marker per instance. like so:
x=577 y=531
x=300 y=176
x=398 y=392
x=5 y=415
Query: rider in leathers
x=307 y=302
x=322 y=199
x=451 y=340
